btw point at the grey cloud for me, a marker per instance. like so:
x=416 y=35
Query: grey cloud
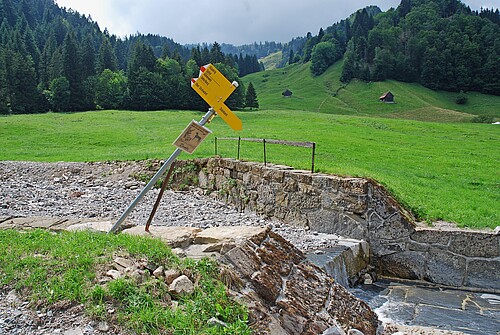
x=228 y=21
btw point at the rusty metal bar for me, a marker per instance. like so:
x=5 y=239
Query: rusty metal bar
x=160 y=195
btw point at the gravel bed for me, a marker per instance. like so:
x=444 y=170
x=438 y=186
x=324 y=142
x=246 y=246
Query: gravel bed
x=104 y=190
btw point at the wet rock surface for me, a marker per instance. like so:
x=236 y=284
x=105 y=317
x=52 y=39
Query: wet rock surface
x=451 y=311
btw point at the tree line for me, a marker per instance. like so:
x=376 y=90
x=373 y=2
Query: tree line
x=55 y=59
x=441 y=44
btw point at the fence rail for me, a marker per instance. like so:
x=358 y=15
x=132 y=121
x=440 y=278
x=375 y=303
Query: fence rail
x=311 y=145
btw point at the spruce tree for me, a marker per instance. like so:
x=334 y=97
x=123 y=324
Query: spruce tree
x=106 y=58
x=72 y=71
x=251 y=97
x=216 y=55
x=4 y=101
x=88 y=57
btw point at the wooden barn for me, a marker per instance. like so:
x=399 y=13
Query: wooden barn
x=387 y=98
x=287 y=93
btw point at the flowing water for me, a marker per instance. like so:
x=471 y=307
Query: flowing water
x=473 y=313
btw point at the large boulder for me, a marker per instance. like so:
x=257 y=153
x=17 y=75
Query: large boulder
x=289 y=295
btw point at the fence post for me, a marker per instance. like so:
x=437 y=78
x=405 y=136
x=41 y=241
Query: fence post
x=265 y=154
x=313 y=154
x=239 y=144
x=215 y=142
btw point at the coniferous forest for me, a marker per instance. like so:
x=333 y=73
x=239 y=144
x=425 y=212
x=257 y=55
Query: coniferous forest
x=441 y=44
x=55 y=59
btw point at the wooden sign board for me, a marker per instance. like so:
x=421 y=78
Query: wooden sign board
x=191 y=137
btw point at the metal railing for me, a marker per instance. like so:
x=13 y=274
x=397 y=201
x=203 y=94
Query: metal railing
x=311 y=145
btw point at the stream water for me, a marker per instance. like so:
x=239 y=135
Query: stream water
x=473 y=313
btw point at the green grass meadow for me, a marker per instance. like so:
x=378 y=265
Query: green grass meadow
x=438 y=170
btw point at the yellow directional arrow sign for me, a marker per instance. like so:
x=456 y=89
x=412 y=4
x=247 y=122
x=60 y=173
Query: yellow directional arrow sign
x=214 y=88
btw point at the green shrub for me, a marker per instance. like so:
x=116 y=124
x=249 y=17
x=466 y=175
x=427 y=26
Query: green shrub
x=461 y=98
x=482 y=119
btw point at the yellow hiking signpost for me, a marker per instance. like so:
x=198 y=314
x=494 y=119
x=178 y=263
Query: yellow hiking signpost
x=214 y=88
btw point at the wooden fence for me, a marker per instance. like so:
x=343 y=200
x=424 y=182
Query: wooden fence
x=311 y=145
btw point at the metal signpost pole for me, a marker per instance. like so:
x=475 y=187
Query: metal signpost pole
x=158 y=174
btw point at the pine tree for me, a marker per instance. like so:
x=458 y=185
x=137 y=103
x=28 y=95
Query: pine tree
x=23 y=95
x=7 y=11
x=88 y=57
x=165 y=52
x=205 y=56
x=106 y=58
x=45 y=62
x=196 y=55
x=251 y=97
x=144 y=84
x=216 y=55
x=291 y=57
x=4 y=101
x=72 y=71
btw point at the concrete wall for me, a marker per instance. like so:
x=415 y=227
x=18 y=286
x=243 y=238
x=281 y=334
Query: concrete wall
x=356 y=208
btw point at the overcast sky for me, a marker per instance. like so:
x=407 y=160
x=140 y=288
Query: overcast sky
x=226 y=21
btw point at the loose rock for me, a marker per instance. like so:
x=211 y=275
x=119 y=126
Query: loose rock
x=181 y=285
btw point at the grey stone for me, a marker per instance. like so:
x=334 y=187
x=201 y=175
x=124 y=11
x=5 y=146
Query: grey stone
x=226 y=234
x=138 y=275
x=431 y=236
x=75 y=331
x=333 y=331
x=213 y=321
x=445 y=268
x=181 y=285
x=124 y=262
x=103 y=326
x=173 y=236
x=473 y=244
x=483 y=274
x=114 y=274
x=171 y=275
x=408 y=265
x=99 y=226
x=158 y=273
x=179 y=252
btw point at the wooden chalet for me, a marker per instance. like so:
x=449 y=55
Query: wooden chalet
x=387 y=98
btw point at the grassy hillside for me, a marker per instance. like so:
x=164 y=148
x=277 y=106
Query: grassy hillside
x=445 y=171
x=271 y=61
x=326 y=94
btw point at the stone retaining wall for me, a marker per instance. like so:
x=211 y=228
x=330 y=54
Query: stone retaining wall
x=355 y=208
